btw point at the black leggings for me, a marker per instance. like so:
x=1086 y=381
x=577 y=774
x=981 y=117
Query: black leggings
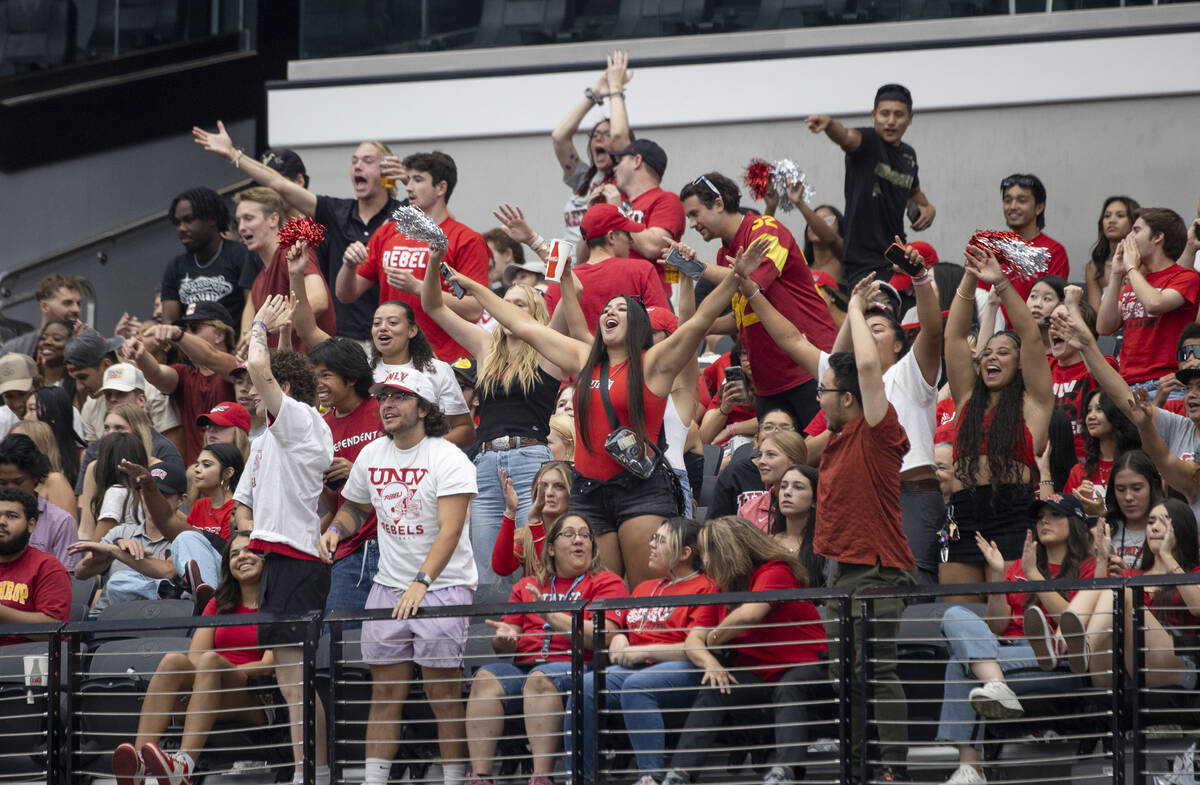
x=713 y=712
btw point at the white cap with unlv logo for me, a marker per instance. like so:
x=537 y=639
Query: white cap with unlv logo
x=408 y=380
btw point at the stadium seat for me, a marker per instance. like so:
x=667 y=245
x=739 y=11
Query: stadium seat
x=143 y=23
x=922 y=668
x=22 y=714
x=521 y=22
x=652 y=18
x=83 y=590
x=34 y=34
x=776 y=14
x=141 y=609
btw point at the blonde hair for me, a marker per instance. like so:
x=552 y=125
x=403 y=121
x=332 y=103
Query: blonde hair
x=564 y=426
x=501 y=368
x=43 y=437
x=792 y=444
x=267 y=198
x=139 y=423
x=564 y=470
x=733 y=548
x=383 y=148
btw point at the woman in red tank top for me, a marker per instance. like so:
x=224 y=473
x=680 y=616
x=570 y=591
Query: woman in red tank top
x=623 y=509
x=1004 y=405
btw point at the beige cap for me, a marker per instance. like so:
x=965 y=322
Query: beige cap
x=17 y=372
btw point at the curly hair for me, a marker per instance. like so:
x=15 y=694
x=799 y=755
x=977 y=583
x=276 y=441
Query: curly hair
x=435 y=421
x=296 y=370
x=345 y=357
x=1004 y=438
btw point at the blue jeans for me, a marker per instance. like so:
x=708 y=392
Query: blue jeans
x=512 y=679
x=970 y=638
x=1150 y=386
x=686 y=485
x=350 y=580
x=487 y=508
x=641 y=695
x=128 y=585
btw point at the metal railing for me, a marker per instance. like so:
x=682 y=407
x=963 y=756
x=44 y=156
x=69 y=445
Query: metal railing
x=1132 y=729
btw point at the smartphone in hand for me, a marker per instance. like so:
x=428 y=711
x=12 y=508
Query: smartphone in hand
x=897 y=255
x=692 y=268
x=455 y=289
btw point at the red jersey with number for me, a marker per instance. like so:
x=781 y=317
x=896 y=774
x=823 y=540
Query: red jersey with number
x=787 y=283
x=1148 y=348
x=350 y=434
x=663 y=209
x=536 y=643
x=593 y=461
x=790 y=633
x=391 y=249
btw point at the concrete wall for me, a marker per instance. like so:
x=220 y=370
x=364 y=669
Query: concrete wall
x=1083 y=151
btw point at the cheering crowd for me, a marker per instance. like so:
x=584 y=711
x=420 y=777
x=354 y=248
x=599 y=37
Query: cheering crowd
x=381 y=421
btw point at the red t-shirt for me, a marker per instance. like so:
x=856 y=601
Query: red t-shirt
x=713 y=374
x=666 y=624
x=790 y=633
x=596 y=463
x=1057 y=264
x=1072 y=384
x=599 y=282
x=1148 y=348
x=1016 y=601
x=207 y=518
x=1177 y=406
x=350 y=434
x=863 y=463
x=196 y=394
x=273 y=279
x=663 y=209
x=1099 y=478
x=788 y=284
x=389 y=248
x=35 y=582
x=239 y=644
x=944 y=418
x=532 y=640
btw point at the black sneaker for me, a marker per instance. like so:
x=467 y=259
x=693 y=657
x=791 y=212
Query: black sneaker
x=172 y=589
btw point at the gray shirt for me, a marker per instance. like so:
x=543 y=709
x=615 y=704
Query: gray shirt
x=157 y=549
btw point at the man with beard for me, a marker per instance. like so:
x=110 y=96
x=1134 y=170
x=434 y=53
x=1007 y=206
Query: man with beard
x=418 y=484
x=34 y=586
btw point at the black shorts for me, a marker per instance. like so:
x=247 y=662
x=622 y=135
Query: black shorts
x=606 y=504
x=289 y=586
x=801 y=401
x=1001 y=517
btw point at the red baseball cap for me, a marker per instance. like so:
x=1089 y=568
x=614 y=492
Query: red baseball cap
x=603 y=218
x=225 y=414
x=662 y=319
x=824 y=279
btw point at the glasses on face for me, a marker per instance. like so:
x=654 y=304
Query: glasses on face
x=600 y=133
x=388 y=395
x=705 y=181
x=822 y=390
x=657 y=539
x=1188 y=351
x=568 y=534
x=768 y=427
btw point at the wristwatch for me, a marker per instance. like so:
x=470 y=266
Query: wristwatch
x=421 y=577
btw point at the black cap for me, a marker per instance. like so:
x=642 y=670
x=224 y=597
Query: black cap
x=285 y=161
x=89 y=347
x=1063 y=504
x=652 y=155
x=464 y=369
x=205 y=311
x=1186 y=375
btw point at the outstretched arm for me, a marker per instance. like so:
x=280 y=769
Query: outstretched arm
x=219 y=142
x=866 y=355
x=849 y=139
x=1182 y=475
x=471 y=336
x=274 y=312
x=565 y=352
x=789 y=338
x=960 y=365
x=303 y=318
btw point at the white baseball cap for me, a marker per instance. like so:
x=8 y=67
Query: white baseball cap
x=408 y=380
x=124 y=377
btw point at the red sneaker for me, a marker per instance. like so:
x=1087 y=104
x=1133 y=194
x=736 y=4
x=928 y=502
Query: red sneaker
x=127 y=766
x=175 y=769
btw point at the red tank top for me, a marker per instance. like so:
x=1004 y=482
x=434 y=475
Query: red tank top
x=1024 y=449
x=596 y=462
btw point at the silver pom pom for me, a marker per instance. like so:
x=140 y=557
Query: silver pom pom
x=1013 y=253
x=784 y=172
x=418 y=226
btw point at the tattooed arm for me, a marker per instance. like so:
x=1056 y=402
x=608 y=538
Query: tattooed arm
x=274 y=312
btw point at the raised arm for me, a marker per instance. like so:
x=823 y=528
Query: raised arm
x=572 y=310
x=1182 y=475
x=161 y=376
x=960 y=366
x=1077 y=335
x=927 y=346
x=349 y=285
x=866 y=355
x=1108 y=315
x=219 y=142
x=616 y=77
x=258 y=360
x=849 y=139
x=471 y=336
x=1156 y=301
x=304 y=321
x=567 y=353
x=665 y=360
x=170 y=522
x=199 y=351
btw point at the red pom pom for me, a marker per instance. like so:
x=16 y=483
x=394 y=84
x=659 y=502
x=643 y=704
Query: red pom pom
x=297 y=229
x=757 y=178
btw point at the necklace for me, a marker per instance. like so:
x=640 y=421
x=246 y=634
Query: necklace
x=207 y=262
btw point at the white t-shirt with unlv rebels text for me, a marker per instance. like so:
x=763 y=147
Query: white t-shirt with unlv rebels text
x=404 y=487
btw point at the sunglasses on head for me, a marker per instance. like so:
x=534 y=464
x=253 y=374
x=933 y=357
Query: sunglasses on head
x=706 y=181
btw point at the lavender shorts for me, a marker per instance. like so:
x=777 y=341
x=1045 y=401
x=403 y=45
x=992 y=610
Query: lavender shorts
x=433 y=643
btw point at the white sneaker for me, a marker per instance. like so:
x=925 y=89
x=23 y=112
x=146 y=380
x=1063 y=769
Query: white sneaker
x=966 y=774
x=994 y=699
x=1037 y=632
x=646 y=779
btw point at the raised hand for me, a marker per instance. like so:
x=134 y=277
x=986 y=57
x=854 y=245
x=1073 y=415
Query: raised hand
x=218 y=142
x=865 y=292
x=1133 y=257
x=617 y=74
x=511 y=501
x=135 y=471
x=297 y=257
x=1029 y=563
x=984 y=265
x=1073 y=296
x=512 y=221
x=749 y=258
x=795 y=191
x=128 y=326
x=274 y=313
x=991 y=554
x=1142 y=410
x=355 y=254
x=817 y=123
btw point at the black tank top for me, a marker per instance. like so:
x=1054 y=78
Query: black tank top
x=516 y=413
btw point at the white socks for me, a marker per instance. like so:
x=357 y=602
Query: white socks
x=377 y=771
x=454 y=774
x=322 y=774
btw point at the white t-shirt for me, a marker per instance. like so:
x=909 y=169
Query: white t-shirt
x=8 y=418
x=449 y=395
x=675 y=433
x=1180 y=434
x=284 y=476
x=404 y=486
x=113 y=507
x=915 y=401
x=1128 y=543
